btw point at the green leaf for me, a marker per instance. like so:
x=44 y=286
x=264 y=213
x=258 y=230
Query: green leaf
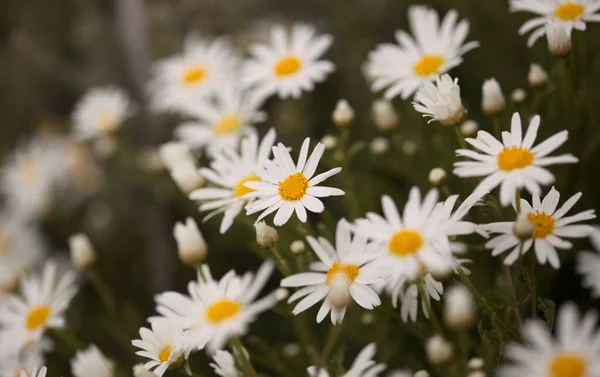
x=548 y=308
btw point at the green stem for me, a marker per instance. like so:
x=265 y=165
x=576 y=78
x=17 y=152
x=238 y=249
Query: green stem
x=568 y=85
x=331 y=339
x=518 y=200
x=67 y=339
x=460 y=137
x=281 y=262
x=498 y=127
x=432 y=316
x=465 y=279
x=242 y=359
x=200 y=273
x=532 y=284
x=106 y=296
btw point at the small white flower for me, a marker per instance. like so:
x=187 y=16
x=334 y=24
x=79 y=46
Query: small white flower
x=379 y=145
x=289 y=65
x=492 y=99
x=469 y=128
x=343 y=114
x=459 y=308
x=286 y=187
x=27 y=362
x=187 y=177
x=92 y=363
x=384 y=115
x=174 y=153
x=140 y=371
x=518 y=95
x=439 y=350
x=588 y=265
x=345 y=271
x=297 y=247
x=83 y=254
x=100 y=111
x=559 y=41
x=476 y=363
x=437 y=176
x=441 y=101
x=421 y=373
x=224 y=365
x=266 y=236
x=550 y=226
x=163 y=345
x=191 y=246
x=513 y=163
x=329 y=141
x=363 y=365
x=537 y=76
x=435 y=49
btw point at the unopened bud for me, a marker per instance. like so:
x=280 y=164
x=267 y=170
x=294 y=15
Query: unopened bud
x=266 y=236
x=469 y=128
x=191 y=247
x=518 y=95
x=329 y=141
x=443 y=272
x=409 y=147
x=477 y=373
x=367 y=318
x=522 y=228
x=439 y=350
x=475 y=363
x=493 y=102
x=83 y=254
x=173 y=153
x=437 y=176
x=343 y=114
x=281 y=294
x=379 y=145
x=140 y=371
x=297 y=247
x=186 y=176
x=291 y=350
x=339 y=296
x=537 y=77
x=459 y=309
x=384 y=115
x=559 y=41
x=421 y=373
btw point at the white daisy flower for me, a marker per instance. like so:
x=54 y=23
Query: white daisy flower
x=345 y=271
x=224 y=365
x=180 y=81
x=214 y=311
x=163 y=345
x=573 y=352
x=229 y=171
x=100 y=111
x=27 y=361
x=435 y=49
x=363 y=365
x=588 y=265
x=220 y=123
x=36 y=372
x=550 y=226
x=45 y=298
x=513 y=163
x=286 y=187
x=441 y=101
x=90 y=362
x=573 y=14
x=289 y=65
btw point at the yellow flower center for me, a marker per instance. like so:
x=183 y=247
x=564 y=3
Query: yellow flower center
x=428 y=65
x=287 y=66
x=405 y=242
x=293 y=187
x=37 y=317
x=163 y=356
x=240 y=189
x=543 y=224
x=514 y=158
x=567 y=365
x=222 y=310
x=228 y=124
x=349 y=271
x=193 y=75
x=568 y=11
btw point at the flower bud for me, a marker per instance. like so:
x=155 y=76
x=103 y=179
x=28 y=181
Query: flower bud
x=475 y=363
x=83 y=254
x=105 y=146
x=469 y=128
x=522 y=228
x=421 y=373
x=492 y=102
x=518 y=95
x=437 y=176
x=339 y=296
x=537 y=77
x=443 y=272
x=439 y=350
x=559 y=41
x=266 y=236
x=367 y=318
x=459 y=311
x=173 y=153
x=297 y=247
x=409 y=147
x=379 y=145
x=281 y=294
x=477 y=373
x=329 y=141
x=343 y=114
x=191 y=247
x=384 y=115
x=291 y=350
x=140 y=371
x=186 y=176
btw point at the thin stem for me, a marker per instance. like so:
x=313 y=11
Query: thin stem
x=498 y=127
x=331 y=339
x=532 y=284
x=242 y=359
x=200 y=273
x=432 y=316
x=518 y=200
x=106 y=296
x=281 y=262
x=460 y=137
x=465 y=279
x=66 y=339
x=568 y=85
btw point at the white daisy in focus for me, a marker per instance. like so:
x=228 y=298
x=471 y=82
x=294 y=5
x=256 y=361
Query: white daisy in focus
x=363 y=365
x=286 y=187
x=572 y=14
x=220 y=123
x=344 y=272
x=36 y=372
x=435 y=48
x=45 y=298
x=513 y=163
x=441 y=101
x=289 y=65
x=229 y=171
x=214 y=311
x=550 y=226
x=100 y=111
x=163 y=345
x=224 y=365
x=573 y=352
x=90 y=362
x=588 y=265
x=180 y=81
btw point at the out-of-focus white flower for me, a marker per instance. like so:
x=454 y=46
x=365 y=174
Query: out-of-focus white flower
x=289 y=65
x=588 y=265
x=492 y=99
x=266 y=236
x=363 y=365
x=105 y=146
x=90 y=362
x=343 y=114
x=100 y=111
x=477 y=373
x=282 y=294
x=421 y=373
x=439 y=350
x=409 y=147
x=379 y=145
x=163 y=345
x=291 y=350
x=224 y=365
x=140 y=371
x=522 y=227
x=297 y=247
x=83 y=254
x=187 y=176
x=537 y=76
x=384 y=115
x=41 y=372
x=518 y=95
x=559 y=41
x=441 y=101
x=459 y=308
x=173 y=153
x=27 y=362
x=437 y=176
x=476 y=363
x=469 y=128
x=329 y=141
x=191 y=246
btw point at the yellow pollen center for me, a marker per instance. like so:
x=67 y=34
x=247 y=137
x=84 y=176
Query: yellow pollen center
x=163 y=356
x=405 y=242
x=228 y=124
x=193 y=75
x=37 y=317
x=568 y=11
x=287 y=66
x=514 y=158
x=567 y=365
x=349 y=271
x=222 y=310
x=543 y=224
x=429 y=64
x=293 y=187
x=240 y=189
